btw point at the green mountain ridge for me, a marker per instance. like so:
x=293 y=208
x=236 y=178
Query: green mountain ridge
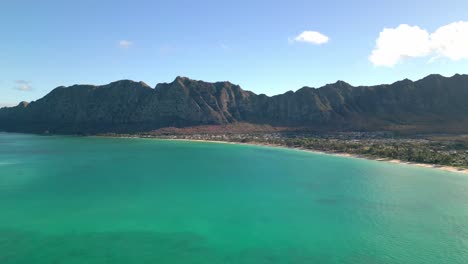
x=430 y=104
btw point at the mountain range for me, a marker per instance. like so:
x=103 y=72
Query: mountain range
x=432 y=104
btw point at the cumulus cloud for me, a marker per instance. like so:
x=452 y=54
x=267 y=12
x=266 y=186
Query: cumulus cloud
x=312 y=37
x=405 y=41
x=22 y=85
x=125 y=44
x=451 y=41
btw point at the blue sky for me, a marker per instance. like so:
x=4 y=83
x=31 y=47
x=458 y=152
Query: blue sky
x=46 y=44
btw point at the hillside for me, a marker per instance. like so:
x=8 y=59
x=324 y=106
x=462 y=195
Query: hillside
x=432 y=104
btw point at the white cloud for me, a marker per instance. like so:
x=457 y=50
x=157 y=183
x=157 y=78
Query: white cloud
x=22 y=85
x=451 y=41
x=396 y=44
x=125 y=44
x=312 y=37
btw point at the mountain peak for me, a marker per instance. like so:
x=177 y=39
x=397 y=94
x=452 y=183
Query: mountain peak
x=23 y=104
x=405 y=81
x=126 y=106
x=338 y=84
x=342 y=83
x=126 y=82
x=434 y=77
x=182 y=79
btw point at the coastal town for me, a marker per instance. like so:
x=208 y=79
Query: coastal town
x=435 y=150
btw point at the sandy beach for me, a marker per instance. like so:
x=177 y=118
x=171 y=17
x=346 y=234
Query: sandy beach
x=433 y=166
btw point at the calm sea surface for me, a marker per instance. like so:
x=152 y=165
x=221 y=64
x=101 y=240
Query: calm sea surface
x=105 y=200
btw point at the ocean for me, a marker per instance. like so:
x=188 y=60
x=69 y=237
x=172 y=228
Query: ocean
x=67 y=199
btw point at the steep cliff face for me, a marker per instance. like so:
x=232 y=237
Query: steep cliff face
x=127 y=106
x=431 y=101
x=196 y=102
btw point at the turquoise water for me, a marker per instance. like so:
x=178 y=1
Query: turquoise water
x=105 y=200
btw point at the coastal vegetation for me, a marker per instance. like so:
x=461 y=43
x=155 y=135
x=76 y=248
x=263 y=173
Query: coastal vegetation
x=420 y=151
x=308 y=118
x=447 y=150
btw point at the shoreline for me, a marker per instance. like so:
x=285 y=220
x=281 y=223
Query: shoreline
x=347 y=155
